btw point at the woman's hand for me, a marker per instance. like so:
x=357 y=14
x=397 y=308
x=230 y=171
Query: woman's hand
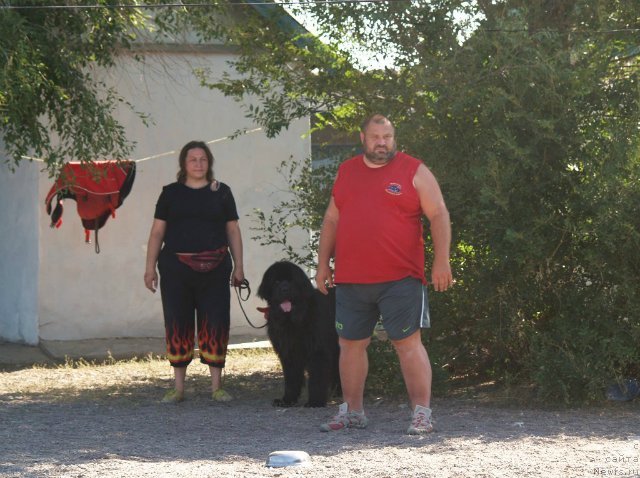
x=237 y=276
x=156 y=237
x=151 y=280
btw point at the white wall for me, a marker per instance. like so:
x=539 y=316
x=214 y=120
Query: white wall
x=87 y=295
x=18 y=252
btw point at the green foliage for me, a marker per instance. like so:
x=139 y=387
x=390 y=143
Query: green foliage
x=528 y=114
x=545 y=144
x=309 y=192
x=575 y=356
x=384 y=378
x=50 y=104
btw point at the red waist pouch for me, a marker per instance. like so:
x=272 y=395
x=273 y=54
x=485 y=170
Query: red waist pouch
x=204 y=261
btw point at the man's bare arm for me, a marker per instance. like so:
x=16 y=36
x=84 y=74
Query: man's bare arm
x=434 y=207
x=326 y=246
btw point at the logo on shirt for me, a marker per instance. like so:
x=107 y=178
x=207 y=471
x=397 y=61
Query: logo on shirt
x=394 y=188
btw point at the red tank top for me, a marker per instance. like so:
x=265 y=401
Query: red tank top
x=379 y=235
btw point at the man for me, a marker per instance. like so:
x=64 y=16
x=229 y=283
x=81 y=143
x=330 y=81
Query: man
x=373 y=228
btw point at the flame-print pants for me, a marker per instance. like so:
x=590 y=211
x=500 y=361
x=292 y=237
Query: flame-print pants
x=191 y=298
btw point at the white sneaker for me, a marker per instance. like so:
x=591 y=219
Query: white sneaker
x=421 y=423
x=345 y=419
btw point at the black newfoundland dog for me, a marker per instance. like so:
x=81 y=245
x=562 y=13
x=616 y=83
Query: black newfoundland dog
x=301 y=327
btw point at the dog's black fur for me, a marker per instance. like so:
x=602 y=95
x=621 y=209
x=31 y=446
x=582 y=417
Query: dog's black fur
x=304 y=337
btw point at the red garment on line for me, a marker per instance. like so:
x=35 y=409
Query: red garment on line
x=99 y=188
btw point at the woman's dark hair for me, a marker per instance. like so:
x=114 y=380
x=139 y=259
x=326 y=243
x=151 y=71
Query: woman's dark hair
x=182 y=173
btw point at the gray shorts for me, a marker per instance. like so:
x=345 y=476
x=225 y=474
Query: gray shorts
x=402 y=305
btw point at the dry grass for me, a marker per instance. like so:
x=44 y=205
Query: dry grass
x=248 y=371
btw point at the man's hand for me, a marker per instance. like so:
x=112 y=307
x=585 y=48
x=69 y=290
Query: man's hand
x=441 y=276
x=324 y=278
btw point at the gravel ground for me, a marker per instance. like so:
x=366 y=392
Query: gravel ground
x=109 y=423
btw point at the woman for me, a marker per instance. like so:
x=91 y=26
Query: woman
x=195 y=226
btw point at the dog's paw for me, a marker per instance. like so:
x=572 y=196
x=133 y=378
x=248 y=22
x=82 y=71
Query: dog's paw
x=278 y=402
x=315 y=404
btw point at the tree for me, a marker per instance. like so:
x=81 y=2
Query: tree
x=528 y=113
x=548 y=123
x=51 y=107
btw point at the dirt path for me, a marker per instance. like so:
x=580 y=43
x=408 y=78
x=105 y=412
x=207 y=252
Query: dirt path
x=108 y=423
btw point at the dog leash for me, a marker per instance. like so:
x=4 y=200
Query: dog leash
x=244 y=285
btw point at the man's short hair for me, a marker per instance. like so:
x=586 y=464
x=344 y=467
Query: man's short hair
x=375 y=118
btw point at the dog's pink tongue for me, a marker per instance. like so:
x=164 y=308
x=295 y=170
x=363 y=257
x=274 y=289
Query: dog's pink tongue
x=286 y=306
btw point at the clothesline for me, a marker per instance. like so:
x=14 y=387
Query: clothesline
x=167 y=153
